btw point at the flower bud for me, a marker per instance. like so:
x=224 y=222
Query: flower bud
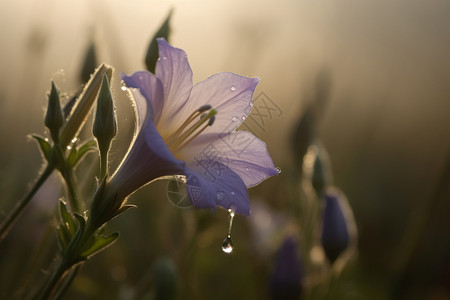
x=285 y=282
x=54 y=117
x=105 y=126
x=89 y=63
x=335 y=236
x=83 y=106
x=152 y=52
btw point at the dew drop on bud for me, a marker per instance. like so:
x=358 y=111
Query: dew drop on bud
x=227 y=245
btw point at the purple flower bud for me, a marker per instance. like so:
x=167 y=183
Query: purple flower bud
x=285 y=282
x=335 y=237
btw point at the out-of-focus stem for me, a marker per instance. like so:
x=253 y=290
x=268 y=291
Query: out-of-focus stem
x=11 y=219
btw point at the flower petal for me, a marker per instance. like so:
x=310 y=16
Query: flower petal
x=148 y=94
x=240 y=151
x=230 y=94
x=147 y=159
x=216 y=185
x=173 y=69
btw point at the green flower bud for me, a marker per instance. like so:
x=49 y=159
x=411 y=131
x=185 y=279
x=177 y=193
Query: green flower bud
x=105 y=126
x=83 y=106
x=54 y=117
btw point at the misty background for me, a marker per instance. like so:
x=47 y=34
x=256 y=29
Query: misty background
x=380 y=68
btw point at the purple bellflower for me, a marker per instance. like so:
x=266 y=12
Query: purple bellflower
x=186 y=129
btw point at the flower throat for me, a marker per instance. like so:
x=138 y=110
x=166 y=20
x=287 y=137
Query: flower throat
x=191 y=128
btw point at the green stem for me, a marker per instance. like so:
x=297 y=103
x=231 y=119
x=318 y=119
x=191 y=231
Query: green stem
x=67 y=282
x=56 y=277
x=74 y=197
x=18 y=210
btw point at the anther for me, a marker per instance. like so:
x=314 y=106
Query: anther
x=204 y=108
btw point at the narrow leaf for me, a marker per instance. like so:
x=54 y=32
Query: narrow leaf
x=67 y=219
x=100 y=243
x=83 y=150
x=44 y=145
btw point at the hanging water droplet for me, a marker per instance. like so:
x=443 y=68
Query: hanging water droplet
x=278 y=169
x=244 y=117
x=233 y=88
x=227 y=245
x=234 y=119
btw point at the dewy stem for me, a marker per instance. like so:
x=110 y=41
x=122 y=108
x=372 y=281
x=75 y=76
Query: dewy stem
x=11 y=219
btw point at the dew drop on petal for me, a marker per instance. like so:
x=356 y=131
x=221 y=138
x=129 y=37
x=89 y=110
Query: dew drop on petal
x=247 y=169
x=244 y=117
x=278 y=169
x=232 y=193
x=164 y=58
x=227 y=245
x=234 y=119
x=251 y=103
x=233 y=88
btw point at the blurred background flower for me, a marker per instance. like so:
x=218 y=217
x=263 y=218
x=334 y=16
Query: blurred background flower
x=384 y=122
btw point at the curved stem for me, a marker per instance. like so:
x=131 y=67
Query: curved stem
x=11 y=219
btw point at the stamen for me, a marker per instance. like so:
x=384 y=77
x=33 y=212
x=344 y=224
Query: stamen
x=189 y=120
x=176 y=142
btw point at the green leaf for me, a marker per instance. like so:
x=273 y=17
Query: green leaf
x=64 y=236
x=67 y=220
x=83 y=150
x=82 y=225
x=72 y=156
x=101 y=242
x=44 y=145
x=152 y=52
